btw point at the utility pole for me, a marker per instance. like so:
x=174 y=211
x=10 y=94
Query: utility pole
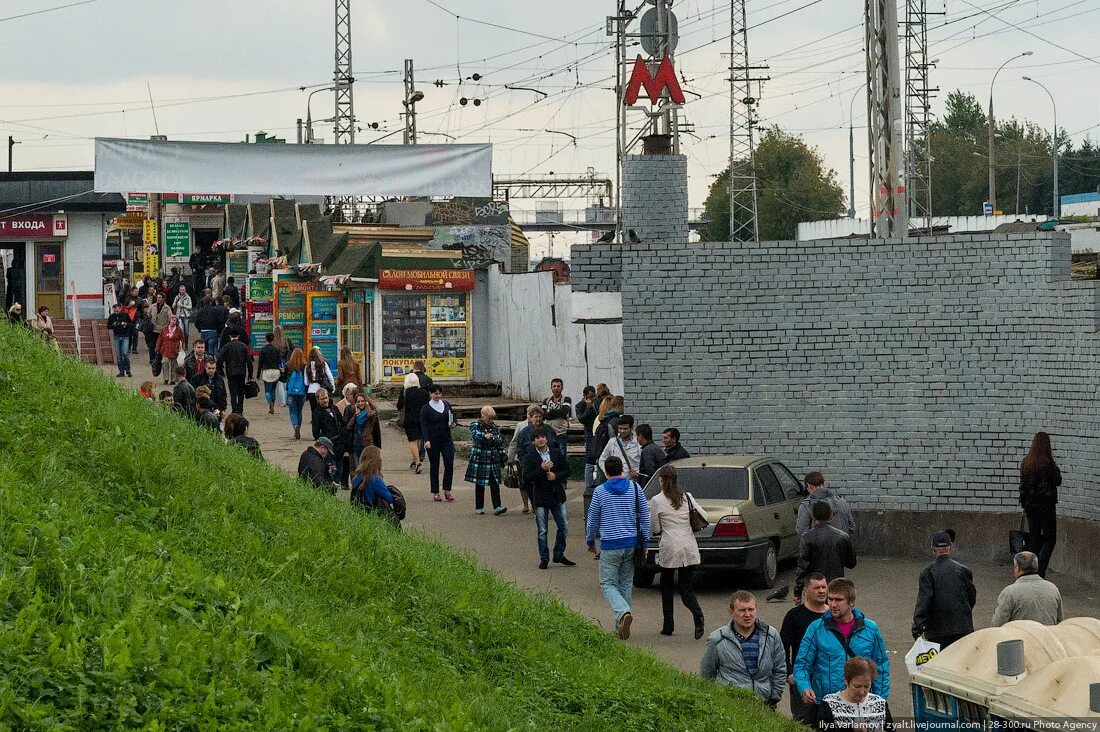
x=743 y=221
x=889 y=211
x=343 y=205
x=12 y=142
x=918 y=98
x=412 y=96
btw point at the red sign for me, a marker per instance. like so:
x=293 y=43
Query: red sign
x=27 y=226
x=426 y=279
x=654 y=85
x=49 y=259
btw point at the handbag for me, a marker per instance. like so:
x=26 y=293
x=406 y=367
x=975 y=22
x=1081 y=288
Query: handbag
x=639 y=547
x=695 y=515
x=1017 y=538
x=251 y=389
x=401 y=417
x=180 y=357
x=270 y=376
x=509 y=474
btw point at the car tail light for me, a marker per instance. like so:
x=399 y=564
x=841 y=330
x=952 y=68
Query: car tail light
x=732 y=526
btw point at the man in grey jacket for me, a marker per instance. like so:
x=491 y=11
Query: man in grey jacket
x=1030 y=597
x=842 y=513
x=747 y=653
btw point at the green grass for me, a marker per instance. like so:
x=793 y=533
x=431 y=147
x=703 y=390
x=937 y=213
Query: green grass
x=152 y=577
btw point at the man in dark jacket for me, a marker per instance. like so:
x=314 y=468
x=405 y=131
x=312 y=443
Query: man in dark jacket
x=587 y=409
x=824 y=549
x=236 y=361
x=183 y=394
x=234 y=325
x=328 y=422
x=673 y=449
x=120 y=325
x=945 y=601
x=314 y=464
x=545 y=470
x=207 y=321
x=653 y=457
x=205 y=416
x=208 y=376
x=233 y=292
x=196 y=359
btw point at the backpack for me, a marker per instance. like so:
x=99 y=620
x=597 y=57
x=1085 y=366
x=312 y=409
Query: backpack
x=394 y=511
x=296 y=384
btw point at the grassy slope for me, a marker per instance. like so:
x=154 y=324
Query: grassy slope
x=152 y=577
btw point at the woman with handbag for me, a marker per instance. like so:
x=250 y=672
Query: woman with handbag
x=486 y=458
x=673 y=516
x=1039 y=481
x=170 y=344
x=285 y=347
x=270 y=373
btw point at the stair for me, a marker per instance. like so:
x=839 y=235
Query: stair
x=95 y=341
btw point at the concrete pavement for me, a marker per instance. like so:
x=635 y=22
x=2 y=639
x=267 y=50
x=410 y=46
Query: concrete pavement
x=506 y=545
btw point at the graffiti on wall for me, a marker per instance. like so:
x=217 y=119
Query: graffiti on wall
x=469 y=212
x=478 y=244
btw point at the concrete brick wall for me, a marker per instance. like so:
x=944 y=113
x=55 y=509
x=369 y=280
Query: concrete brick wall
x=596 y=267
x=655 y=198
x=913 y=373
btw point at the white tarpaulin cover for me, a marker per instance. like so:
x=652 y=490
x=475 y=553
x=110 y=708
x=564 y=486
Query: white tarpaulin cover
x=161 y=166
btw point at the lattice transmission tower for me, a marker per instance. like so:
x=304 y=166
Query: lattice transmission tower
x=889 y=210
x=343 y=78
x=744 y=225
x=918 y=99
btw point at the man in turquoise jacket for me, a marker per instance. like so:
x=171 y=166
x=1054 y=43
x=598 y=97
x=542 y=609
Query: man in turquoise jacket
x=842 y=633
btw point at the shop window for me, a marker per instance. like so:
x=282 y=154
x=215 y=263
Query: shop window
x=405 y=331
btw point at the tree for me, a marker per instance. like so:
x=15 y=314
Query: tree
x=793 y=185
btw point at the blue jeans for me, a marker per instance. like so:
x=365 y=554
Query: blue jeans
x=269 y=391
x=122 y=352
x=447 y=451
x=542 y=523
x=563 y=443
x=210 y=337
x=589 y=475
x=295 y=402
x=184 y=320
x=616 y=570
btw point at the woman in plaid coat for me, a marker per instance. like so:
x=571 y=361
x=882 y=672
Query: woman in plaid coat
x=486 y=457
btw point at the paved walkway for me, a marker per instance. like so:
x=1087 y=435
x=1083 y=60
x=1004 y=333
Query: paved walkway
x=506 y=546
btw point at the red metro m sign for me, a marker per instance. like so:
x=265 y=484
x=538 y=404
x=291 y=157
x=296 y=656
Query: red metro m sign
x=655 y=86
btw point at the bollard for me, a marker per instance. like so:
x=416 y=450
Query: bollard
x=1094 y=698
x=1010 y=658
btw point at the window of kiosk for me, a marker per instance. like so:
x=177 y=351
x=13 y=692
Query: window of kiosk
x=405 y=326
x=448 y=336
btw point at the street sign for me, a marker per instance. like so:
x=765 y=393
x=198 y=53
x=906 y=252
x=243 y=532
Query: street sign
x=987 y=208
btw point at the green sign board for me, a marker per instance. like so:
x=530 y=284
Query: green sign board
x=177 y=239
x=259 y=288
x=237 y=262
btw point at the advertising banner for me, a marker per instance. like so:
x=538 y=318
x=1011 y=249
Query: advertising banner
x=236 y=263
x=30 y=225
x=259 y=288
x=152 y=248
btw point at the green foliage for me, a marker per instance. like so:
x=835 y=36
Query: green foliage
x=793 y=185
x=152 y=578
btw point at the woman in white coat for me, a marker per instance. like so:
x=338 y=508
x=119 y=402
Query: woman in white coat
x=670 y=520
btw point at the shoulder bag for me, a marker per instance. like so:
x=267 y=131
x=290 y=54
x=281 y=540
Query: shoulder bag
x=1017 y=538
x=622 y=452
x=695 y=515
x=639 y=547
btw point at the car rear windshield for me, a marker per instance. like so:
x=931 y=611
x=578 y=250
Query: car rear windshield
x=708 y=484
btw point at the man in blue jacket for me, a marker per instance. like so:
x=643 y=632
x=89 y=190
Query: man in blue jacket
x=842 y=633
x=619 y=515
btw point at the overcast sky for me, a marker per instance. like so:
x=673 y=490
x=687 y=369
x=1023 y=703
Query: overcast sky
x=83 y=71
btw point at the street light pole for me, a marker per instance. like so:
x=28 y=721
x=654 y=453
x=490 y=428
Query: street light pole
x=992 y=171
x=852 y=157
x=1056 y=207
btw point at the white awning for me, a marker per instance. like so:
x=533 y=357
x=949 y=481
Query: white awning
x=161 y=166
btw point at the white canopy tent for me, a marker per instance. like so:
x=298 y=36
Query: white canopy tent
x=123 y=166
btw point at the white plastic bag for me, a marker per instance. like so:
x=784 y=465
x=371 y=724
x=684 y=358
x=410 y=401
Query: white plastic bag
x=921 y=653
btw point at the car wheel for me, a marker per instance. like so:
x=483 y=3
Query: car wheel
x=644 y=577
x=769 y=568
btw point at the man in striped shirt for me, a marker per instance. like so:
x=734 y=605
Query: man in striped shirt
x=619 y=515
x=748 y=653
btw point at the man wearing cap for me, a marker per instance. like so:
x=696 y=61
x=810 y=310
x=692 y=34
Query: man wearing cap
x=313 y=465
x=945 y=600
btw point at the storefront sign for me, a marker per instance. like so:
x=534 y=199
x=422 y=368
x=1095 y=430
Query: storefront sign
x=32 y=225
x=137 y=201
x=152 y=248
x=149 y=231
x=132 y=220
x=196 y=199
x=260 y=328
x=303 y=286
x=177 y=239
x=236 y=262
x=426 y=279
x=259 y=288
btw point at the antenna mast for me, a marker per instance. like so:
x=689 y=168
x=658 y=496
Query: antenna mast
x=918 y=97
x=744 y=225
x=889 y=211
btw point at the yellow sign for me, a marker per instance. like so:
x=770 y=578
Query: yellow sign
x=395 y=369
x=150 y=231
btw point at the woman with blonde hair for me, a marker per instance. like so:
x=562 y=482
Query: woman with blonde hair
x=295 y=373
x=410 y=401
x=670 y=521
x=486 y=459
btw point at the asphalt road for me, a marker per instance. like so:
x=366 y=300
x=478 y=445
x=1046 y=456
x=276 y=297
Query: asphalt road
x=506 y=545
